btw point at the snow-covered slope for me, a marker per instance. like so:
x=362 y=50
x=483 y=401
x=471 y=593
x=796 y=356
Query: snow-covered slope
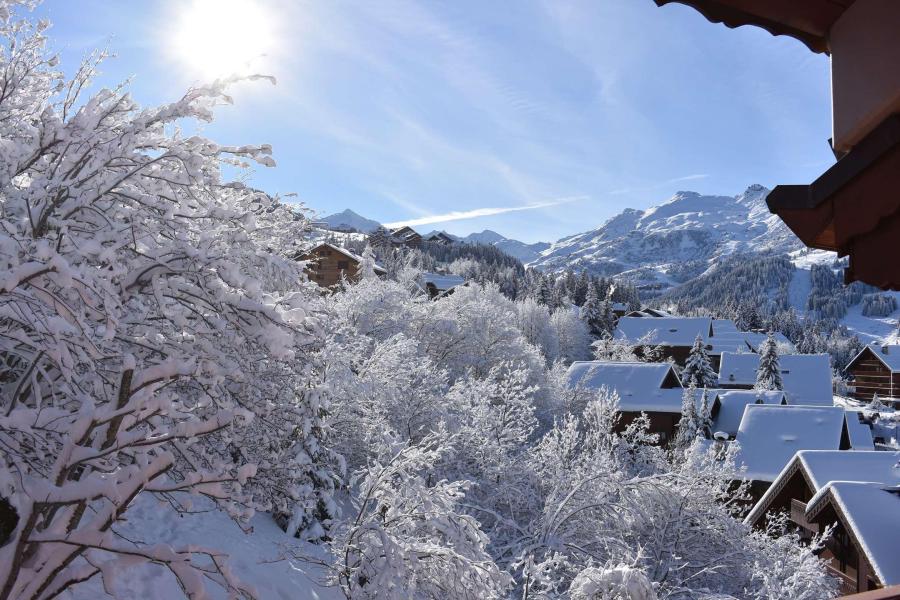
x=668 y=244
x=347 y=219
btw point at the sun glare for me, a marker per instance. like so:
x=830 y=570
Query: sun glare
x=215 y=38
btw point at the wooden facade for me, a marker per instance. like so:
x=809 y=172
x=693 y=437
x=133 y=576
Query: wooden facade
x=663 y=424
x=869 y=375
x=406 y=236
x=329 y=265
x=849 y=563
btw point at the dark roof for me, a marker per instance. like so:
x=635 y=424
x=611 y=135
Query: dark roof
x=827 y=213
x=805 y=20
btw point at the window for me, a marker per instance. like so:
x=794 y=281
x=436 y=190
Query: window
x=344 y=265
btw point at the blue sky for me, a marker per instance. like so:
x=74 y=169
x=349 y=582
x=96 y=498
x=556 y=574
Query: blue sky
x=404 y=110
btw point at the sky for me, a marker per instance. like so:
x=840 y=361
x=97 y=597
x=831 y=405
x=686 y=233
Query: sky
x=535 y=119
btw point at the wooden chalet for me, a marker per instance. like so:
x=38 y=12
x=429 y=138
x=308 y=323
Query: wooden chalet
x=673 y=336
x=651 y=388
x=440 y=238
x=856 y=491
x=806 y=378
x=854 y=207
x=406 y=236
x=876 y=370
x=438 y=284
x=770 y=434
x=329 y=264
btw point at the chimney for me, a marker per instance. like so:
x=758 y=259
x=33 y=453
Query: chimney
x=884 y=349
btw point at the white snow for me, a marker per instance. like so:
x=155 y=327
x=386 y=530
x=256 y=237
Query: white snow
x=638 y=384
x=258 y=558
x=806 y=378
x=666 y=331
x=728 y=407
x=770 y=435
x=860 y=433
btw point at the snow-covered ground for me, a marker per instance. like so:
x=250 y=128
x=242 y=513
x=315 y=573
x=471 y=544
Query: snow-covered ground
x=258 y=558
x=869 y=329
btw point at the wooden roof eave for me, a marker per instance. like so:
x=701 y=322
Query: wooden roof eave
x=805 y=20
x=826 y=213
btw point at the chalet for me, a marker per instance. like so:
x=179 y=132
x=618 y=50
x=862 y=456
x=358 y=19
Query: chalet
x=819 y=488
x=440 y=238
x=652 y=388
x=876 y=370
x=806 y=378
x=620 y=309
x=329 y=264
x=853 y=208
x=727 y=408
x=673 y=335
x=770 y=435
x=406 y=236
x=437 y=284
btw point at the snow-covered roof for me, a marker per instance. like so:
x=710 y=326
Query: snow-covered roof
x=889 y=354
x=346 y=253
x=665 y=331
x=442 y=282
x=731 y=404
x=755 y=338
x=639 y=384
x=770 y=435
x=728 y=342
x=806 y=378
x=860 y=432
x=871 y=511
x=721 y=326
x=873 y=465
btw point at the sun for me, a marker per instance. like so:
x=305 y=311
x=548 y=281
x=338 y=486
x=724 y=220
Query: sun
x=215 y=38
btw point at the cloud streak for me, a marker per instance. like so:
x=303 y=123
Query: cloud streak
x=460 y=215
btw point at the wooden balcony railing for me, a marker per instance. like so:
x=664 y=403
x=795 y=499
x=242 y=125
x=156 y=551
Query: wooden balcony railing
x=848 y=584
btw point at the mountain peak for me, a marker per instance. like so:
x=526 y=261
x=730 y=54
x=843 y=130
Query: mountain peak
x=347 y=220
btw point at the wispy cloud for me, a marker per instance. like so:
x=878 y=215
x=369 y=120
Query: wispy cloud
x=656 y=186
x=460 y=215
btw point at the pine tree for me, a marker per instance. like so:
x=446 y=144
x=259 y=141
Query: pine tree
x=688 y=425
x=581 y=289
x=768 y=376
x=591 y=311
x=698 y=368
x=704 y=421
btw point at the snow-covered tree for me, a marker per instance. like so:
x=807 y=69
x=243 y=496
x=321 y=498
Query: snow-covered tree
x=704 y=420
x=407 y=537
x=689 y=423
x=367 y=264
x=152 y=327
x=533 y=320
x=768 y=376
x=572 y=335
x=698 y=368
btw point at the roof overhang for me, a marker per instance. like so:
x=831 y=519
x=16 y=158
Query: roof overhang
x=853 y=208
x=804 y=20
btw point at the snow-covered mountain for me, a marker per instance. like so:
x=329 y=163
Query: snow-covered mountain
x=524 y=252
x=668 y=244
x=348 y=220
